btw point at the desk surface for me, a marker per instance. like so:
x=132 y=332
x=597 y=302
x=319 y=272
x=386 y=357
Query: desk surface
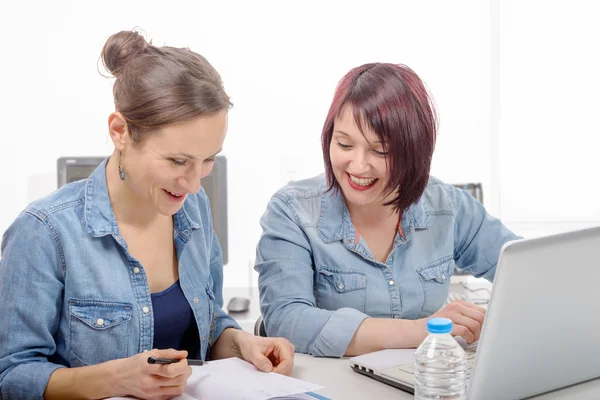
x=341 y=382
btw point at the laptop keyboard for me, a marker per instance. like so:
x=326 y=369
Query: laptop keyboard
x=406 y=373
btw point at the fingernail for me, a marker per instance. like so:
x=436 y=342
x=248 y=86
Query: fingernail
x=266 y=367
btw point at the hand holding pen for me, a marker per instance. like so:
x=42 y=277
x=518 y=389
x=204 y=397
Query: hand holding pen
x=136 y=376
x=166 y=361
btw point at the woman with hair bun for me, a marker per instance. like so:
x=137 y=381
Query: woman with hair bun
x=108 y=271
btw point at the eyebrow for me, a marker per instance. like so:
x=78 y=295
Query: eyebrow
x=342 y=132
x=191 y=157
x=345 y=134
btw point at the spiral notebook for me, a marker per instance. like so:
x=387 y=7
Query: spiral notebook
x=233 y=378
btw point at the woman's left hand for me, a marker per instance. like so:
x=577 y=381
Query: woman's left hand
x=267 y=354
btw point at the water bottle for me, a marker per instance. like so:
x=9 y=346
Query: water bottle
x=440 y=371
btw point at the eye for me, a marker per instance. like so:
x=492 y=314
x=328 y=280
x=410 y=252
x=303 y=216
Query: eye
x=380 y=153
x=210 y=160
x=344 y=146
x=179 y=163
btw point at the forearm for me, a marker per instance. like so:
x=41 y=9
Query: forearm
x=92 y=382
x=226 y=346
x=312 y=330
x=375 y=334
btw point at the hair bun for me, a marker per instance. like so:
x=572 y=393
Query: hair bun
x=120 y=49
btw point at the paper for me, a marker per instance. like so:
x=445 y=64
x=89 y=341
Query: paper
x=383 y=359
x=233 y=378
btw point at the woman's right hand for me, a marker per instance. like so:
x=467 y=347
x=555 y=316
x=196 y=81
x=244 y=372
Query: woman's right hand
x=135 y=377
x=467 y=319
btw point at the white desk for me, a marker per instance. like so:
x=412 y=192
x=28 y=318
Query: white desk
x=341 y=382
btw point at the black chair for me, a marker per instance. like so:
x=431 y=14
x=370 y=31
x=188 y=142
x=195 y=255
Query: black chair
x=474 y=189
x=259 y=327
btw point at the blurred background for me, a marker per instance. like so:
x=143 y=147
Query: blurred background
x=516 y=85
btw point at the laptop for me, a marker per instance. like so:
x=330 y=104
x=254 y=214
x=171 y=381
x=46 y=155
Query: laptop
x=541 y=326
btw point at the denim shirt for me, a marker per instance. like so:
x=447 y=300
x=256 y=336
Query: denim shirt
x=317 y=283
x=72 y=294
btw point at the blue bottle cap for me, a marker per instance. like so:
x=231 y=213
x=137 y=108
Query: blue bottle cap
x=439 y=325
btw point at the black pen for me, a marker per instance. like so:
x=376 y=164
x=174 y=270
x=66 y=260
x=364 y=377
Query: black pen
x=190 y=361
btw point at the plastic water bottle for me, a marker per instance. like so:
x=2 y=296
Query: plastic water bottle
x=440 y=371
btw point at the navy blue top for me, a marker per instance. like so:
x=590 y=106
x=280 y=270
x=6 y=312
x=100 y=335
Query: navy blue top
x=174 y=323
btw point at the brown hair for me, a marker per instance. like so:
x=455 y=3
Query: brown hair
x=393 y=101
x=158 y=86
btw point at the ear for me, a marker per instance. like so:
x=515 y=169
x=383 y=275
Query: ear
x=117 y=128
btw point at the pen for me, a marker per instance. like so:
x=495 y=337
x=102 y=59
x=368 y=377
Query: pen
x=190 y=361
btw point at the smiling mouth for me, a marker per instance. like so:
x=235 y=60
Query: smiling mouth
x=365 y=182
x=360 y=184
x=174 y=196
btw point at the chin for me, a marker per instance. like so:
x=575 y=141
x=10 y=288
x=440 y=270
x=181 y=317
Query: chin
x=358 y=199
x=168 y=211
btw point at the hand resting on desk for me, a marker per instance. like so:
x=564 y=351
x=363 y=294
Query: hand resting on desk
x=267 y=354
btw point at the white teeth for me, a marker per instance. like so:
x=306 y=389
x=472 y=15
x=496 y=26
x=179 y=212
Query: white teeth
x=362 y=181
x=176 y=195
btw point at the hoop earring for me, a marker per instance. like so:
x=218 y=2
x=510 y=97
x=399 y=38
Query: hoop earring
x=122 y=173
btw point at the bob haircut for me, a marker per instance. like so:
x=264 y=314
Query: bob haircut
x=392 y=101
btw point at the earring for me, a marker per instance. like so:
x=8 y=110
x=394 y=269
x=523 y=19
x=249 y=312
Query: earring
x=122 y=173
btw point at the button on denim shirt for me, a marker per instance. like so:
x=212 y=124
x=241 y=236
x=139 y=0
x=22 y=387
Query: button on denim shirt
x=72 y=295
x=317 y=283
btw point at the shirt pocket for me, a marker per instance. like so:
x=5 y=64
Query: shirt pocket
x=99 y=331
x=338 y=288
x=435 y=278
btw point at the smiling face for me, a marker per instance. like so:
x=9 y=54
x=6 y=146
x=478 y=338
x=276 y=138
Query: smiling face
x=358 y=161
x=168 y=165
x=394 y=106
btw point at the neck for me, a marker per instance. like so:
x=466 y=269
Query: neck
x=129 y=209
x=372 y=214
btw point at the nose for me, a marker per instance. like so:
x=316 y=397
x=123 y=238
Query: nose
x=190 y=182
x=360 y=163
x=191 y=186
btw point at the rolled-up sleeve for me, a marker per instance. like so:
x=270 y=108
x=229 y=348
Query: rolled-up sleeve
x=31 y=290
x=286 y=284
x=479 y=237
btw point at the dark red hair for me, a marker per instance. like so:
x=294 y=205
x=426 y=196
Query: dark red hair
x=392 y=101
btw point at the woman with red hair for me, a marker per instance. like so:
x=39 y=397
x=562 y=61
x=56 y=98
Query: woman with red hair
x=356 y=260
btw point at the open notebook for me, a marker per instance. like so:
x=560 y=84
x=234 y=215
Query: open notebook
x=233 y=378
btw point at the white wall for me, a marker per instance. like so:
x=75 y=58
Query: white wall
x=280 y=62
x=547 y=103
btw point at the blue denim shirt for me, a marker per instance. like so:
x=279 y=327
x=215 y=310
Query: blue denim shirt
x=72 y=295
x=317 y=284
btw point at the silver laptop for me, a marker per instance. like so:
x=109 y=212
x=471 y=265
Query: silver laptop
x=541 y=327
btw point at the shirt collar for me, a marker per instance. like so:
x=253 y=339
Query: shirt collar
x=335 y=222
